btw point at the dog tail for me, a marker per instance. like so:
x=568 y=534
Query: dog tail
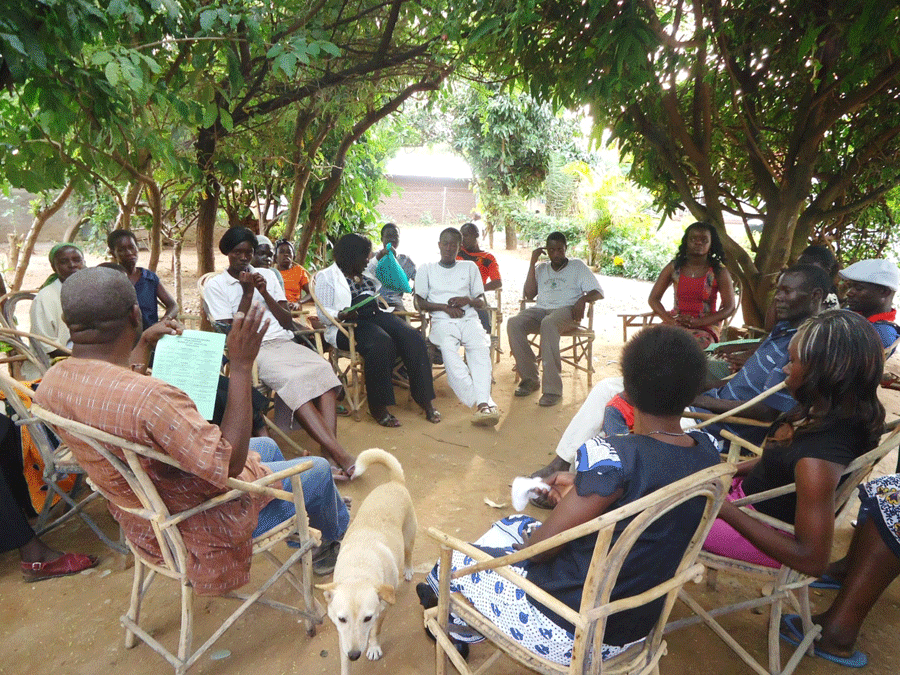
x=378 y=456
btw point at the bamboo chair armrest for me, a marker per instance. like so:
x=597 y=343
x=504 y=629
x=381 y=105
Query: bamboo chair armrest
x=502 y=566
x=736 y=444
x=34 y=336
x=743 y=406
x=707 y=417
x=693 y=573
x=240 y=487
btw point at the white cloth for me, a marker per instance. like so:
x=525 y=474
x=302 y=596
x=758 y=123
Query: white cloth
x=470 y=379
x=524 y=489
x=46 y=316
x=333 y=293
x=436 y=283
x=588 y=421
x=222 y=297
x=562 y=288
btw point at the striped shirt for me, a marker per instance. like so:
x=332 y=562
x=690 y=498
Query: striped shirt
x=148 y=411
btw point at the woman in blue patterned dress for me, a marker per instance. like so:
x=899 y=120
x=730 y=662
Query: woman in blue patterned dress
x=663 y=369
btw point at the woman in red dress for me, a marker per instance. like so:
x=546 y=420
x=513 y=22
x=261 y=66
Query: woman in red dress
x=698 y=274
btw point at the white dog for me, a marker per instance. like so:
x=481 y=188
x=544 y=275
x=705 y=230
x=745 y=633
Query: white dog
x=368 y=565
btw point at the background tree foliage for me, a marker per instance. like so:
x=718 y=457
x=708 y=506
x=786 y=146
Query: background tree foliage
x=785 y=114
x=136 y=95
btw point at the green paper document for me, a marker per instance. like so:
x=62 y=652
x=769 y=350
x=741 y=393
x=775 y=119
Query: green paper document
x=192 y=362
x=361 y=303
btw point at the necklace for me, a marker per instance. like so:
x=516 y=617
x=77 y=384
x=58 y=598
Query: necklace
x=664 y=433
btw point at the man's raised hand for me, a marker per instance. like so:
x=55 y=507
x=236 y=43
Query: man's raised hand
x=246 y=336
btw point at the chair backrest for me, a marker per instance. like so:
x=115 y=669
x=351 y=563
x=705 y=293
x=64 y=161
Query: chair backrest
x=324 y=312
x=18 y=397
x=8 y=305
x=30 y=352
x=711 y=485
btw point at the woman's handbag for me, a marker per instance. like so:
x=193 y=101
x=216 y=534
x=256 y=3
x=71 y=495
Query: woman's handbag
x=391 y=274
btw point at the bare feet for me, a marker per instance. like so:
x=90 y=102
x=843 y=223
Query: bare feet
x=558 y=464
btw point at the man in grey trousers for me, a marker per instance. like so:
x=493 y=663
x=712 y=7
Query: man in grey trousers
x=563 y=287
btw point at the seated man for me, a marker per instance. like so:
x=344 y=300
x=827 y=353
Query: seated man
x=563 y=288
x=798 y=296
x=99 y=387
x=871 y=293
x=390 y=234
x=451 y=290
x=487 y=265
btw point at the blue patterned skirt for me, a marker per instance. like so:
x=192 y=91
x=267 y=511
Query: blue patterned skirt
x=881 y=501
x=505 y=604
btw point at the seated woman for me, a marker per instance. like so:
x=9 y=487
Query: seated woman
x=299 y=376
x=698 y=274
x=871 y=564
x=123 y=247
x=264 y=255
x=294 y=276
x=663 y=368
x=836 y=361
x=380 y=336
x=46 y=310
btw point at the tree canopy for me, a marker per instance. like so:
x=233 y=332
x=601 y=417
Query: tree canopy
x=784 y=115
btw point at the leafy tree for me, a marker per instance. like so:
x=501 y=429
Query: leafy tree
x=134 y=95
x=782 y=114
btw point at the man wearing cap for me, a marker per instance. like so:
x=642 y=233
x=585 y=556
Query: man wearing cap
x=870 y=292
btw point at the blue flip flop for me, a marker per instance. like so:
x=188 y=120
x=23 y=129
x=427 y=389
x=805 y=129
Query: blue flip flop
x=827 y=582
x=792 y=634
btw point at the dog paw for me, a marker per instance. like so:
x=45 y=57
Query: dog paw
x=373 y=653
x=408 y=573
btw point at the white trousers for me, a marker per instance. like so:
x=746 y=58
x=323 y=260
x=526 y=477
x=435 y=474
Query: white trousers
x=470 y=379
x=588 y=421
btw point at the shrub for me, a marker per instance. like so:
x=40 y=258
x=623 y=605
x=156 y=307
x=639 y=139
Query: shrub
x=634 y=253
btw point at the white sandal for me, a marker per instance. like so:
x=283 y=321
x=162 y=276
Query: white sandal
x=486 y=417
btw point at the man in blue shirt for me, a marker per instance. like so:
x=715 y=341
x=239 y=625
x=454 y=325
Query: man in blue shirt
x=798 y=296
x=870 y=292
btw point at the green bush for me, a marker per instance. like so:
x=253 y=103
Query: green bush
x=533 y=228
x=634 y=253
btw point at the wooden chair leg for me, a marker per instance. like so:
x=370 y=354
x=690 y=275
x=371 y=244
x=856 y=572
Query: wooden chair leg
x=186 y=637
x=134 y=607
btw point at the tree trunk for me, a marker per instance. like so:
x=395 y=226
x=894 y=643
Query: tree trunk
x=41 y=216
x=303 y=168
x=154 y=198
x=176 y=270
x=209 y=202
x=512 y=241
x=123 y=219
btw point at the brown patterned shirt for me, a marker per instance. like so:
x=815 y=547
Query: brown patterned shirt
x=145 y=410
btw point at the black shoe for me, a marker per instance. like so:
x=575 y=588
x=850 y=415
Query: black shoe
x=527 y=387
x=427 y=597
x=326 y=558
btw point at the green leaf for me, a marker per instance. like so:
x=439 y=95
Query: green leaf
x=14 y=42
x=210 y=114
x=207 y=18
x=227 y=122
x=113 y=71
x=332 y=49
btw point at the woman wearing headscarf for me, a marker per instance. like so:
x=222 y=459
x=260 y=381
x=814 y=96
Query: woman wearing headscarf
x=46 y=310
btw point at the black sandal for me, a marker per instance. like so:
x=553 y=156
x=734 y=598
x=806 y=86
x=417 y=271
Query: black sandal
x=388 y=420
x=433 y=416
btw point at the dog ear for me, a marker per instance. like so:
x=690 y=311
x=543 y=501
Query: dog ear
x=328 y=589
x=386 y=593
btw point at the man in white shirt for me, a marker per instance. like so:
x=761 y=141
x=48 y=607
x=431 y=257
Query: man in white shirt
x=451 y=290
x=563 y=288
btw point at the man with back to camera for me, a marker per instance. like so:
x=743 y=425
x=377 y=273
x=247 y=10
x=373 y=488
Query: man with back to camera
x=563 y=288
x=103 y=385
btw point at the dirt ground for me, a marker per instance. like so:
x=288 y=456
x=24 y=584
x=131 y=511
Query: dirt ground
x=71 y=625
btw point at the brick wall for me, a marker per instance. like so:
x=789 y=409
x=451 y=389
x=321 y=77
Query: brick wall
x=446 y=201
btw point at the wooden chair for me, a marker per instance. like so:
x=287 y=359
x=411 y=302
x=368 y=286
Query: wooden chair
x=781 y=584
x=128 y=458
x=580 y=349
x=58 y=465
x=590 y=621
x=351 y=373
x=636 y=320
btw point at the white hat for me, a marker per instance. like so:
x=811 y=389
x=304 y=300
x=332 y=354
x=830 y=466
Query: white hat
x=263 y=239
x=881 y=272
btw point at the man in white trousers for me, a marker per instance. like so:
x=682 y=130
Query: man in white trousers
x=451 y=290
